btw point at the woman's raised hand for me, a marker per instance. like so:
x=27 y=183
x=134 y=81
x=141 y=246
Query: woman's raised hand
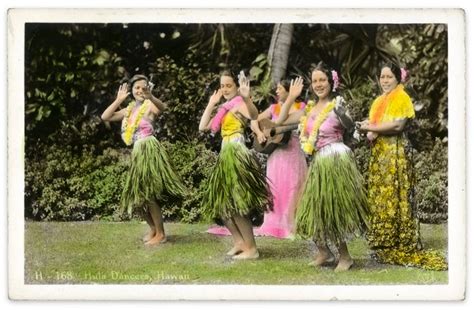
x=244 y=85
x=147 y=90
x=296 y=87
x=216 y=97
x=123 y=92
x=339 y=109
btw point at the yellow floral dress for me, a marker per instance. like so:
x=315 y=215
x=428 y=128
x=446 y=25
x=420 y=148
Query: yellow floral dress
x=393 y=231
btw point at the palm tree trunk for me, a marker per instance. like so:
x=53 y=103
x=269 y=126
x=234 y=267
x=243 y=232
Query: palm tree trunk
x=279 y=51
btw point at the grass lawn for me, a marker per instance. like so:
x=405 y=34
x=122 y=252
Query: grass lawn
x=108 y=253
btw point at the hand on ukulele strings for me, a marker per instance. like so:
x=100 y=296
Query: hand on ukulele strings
x=244 y=85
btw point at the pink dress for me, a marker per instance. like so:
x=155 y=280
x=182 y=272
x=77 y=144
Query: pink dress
x=286 y=171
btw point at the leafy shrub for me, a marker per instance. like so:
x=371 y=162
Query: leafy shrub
x=70 y=185
x=67 y=184
x=431 y=189
x=193 y=162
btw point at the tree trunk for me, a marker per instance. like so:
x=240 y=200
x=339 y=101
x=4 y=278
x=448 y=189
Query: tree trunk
x=279 y=51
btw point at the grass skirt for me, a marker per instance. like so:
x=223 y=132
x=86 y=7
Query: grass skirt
x=151 y=176
x=236 y=185
x=333 y=206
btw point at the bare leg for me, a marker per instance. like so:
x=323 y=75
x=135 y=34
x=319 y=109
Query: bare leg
x=236 y=237
x=345 y=259
x=152 y=231
x=157 y=217
x=249 y=250
x=324 y=255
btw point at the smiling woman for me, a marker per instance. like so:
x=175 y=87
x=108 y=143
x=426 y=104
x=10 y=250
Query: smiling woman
x=151 y=176
x=236 y=185
x=394 y=233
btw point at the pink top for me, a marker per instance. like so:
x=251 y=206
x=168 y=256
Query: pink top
x=331 y=130
x=145 y=127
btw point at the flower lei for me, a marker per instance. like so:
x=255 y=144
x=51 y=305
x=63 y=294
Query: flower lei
x=307 y=143
x=335 y=79
x=222 y=111
x=127 y=129
x=276 y=107
x=403 y=75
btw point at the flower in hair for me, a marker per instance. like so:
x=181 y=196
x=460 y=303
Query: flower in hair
x=403 y=74
x=335 y=78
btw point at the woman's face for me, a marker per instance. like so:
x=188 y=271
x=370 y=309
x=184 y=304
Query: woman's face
x=388 y=81
x=228 y=87
x=320 y=84
x=138 y=89
x=281 y=93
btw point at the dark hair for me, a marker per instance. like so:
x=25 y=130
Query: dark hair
x=324 y=68
x=286 y=84
x=394 y=68
x=136 y=78
x=230 y=74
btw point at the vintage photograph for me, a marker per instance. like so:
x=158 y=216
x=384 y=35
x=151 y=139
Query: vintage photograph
x=285 y=154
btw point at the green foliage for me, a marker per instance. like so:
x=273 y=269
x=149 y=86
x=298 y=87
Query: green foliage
x=63 y=184
x=65 y=79
x=431 y=191
x=194 y=163
x=82 y=184
x=183 y=88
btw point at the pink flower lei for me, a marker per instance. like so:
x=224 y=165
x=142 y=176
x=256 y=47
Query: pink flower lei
x=222 y=111
x=403 y=75
x=335 y=79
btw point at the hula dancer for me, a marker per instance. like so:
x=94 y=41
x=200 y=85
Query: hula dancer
x=333 y=204
x=151 y=176
x=237 y=185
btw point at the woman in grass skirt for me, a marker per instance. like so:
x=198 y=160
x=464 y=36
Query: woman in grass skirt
x=333 y=205
x=393 y=234
x=151 y=177
x=236 y=185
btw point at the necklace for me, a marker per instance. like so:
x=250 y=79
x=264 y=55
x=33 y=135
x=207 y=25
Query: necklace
x=128 y=130
x=307 y=143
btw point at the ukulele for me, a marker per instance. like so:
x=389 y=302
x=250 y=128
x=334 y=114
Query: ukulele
x=276 y=136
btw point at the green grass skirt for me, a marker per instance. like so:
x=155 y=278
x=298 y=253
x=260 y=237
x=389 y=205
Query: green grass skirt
x=333 y=205
x=151 y=176
x=236 y=185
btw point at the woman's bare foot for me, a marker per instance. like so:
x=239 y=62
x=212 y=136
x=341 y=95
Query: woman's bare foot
x=157 y=239
x=149 y=235
x=322 y=259
x=344 y=264
x=235 y=250
x=250 y=254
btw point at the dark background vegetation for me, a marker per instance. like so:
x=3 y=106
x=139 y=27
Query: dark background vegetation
x=75 y=163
